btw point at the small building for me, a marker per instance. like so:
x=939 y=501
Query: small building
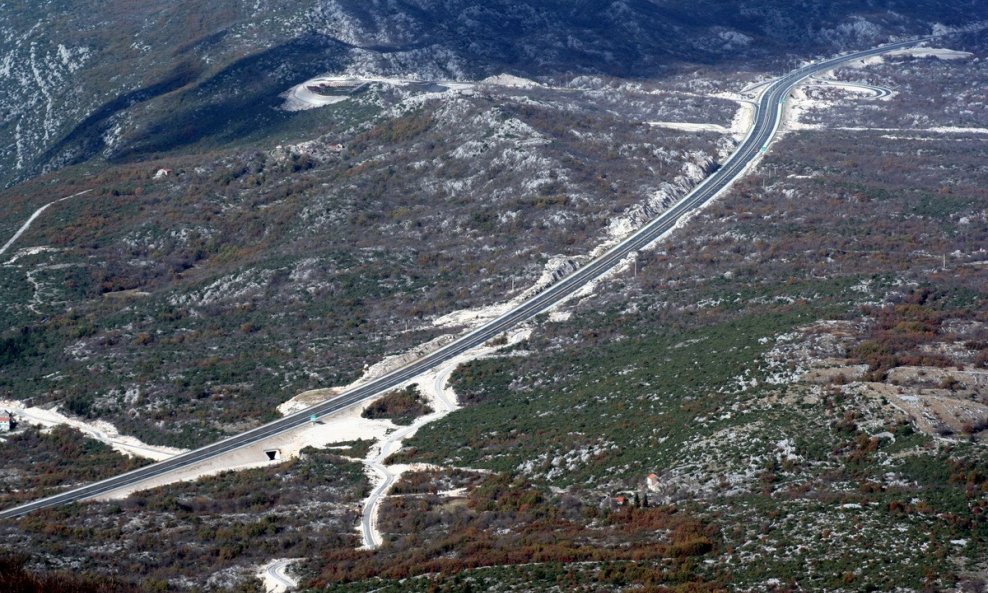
x=162 y=173
x=621 y=501
x=7 y=421
x=652 y=481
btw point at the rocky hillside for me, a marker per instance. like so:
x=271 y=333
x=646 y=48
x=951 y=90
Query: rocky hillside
x=787 y=393
x=120 y=80
x=290 y=267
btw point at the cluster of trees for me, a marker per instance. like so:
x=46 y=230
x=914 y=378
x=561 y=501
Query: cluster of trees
x=402 y=406
x=16 y=578
x=900 y=330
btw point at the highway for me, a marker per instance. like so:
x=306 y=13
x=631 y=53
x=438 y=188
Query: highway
x=766 y=123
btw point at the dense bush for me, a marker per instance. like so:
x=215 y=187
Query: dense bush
x=899 y=330
x=14 y=578
x=402 y=407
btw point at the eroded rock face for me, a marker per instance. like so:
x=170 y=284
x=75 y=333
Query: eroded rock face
x=946 y=400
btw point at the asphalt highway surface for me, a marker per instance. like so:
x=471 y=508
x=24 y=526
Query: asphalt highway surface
x=766 y=123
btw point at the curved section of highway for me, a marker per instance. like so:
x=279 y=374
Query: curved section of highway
x=764 y=128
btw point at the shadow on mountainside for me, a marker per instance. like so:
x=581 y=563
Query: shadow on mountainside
x=235 y=103
x=636 y=39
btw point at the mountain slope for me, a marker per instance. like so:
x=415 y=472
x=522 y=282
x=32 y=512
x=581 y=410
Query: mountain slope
x=121 y=80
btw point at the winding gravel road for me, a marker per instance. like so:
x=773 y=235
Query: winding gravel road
x=34 y=217
x=392 y=443
x=276 y=578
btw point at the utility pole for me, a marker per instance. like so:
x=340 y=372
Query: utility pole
x=946 y=246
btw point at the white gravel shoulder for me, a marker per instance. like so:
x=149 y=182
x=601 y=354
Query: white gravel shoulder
x=99 y=429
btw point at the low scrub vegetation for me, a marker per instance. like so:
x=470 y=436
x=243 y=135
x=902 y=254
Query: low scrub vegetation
x=661 y=438
x=15 y=578
x=899 y=333
x=673 y=371
x=207 y=535
x=505 y=521
x=39 y=463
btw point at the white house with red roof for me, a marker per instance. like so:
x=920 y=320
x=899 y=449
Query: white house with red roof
x=7 y=422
